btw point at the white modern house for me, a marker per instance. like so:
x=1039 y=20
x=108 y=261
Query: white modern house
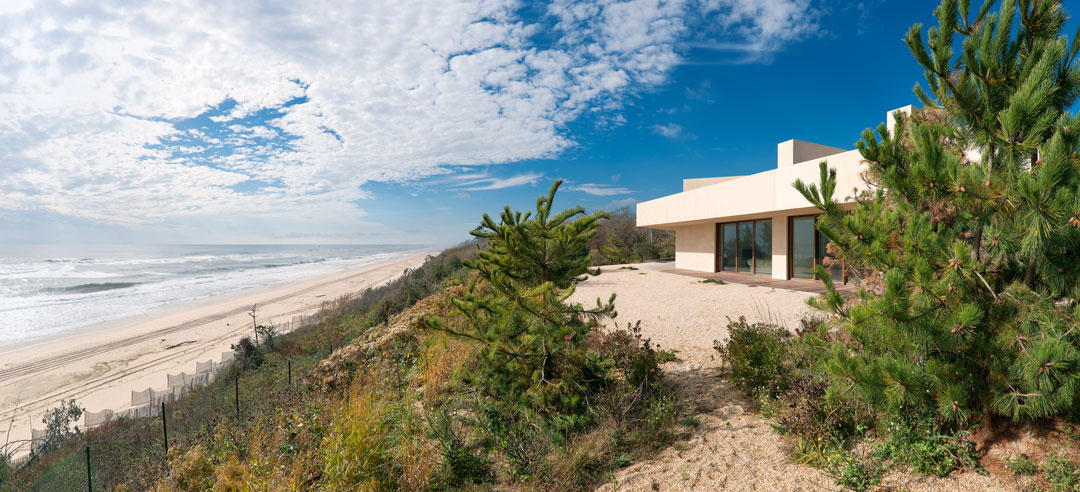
x=757 y=224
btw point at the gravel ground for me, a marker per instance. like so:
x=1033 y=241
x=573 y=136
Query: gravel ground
x=733 y=448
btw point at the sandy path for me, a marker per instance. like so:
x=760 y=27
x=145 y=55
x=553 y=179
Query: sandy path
x=101 y=366
x=733 y=448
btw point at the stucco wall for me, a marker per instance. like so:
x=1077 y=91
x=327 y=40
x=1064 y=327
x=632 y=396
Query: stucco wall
x=779 y=246
x=695 y=247
x=848 y=165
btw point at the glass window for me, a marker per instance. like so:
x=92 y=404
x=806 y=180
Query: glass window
x=746 y=248
x=727 y=241
x=834 y=270
x=802 y=247
x=763 y=247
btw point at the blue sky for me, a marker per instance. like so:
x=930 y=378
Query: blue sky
x=403 y=122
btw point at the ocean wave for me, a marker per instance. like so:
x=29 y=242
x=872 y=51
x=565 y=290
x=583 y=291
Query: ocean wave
x=40 y=297
x=91 y=288
x=30 y=271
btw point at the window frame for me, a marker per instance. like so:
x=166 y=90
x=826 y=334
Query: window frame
x=719 y=263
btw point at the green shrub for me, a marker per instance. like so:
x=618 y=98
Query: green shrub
x=1022 y=465
x=462 y=462
x=1062 y=475
x=630 y=355
x=59 y=422
x=520 y=436
x=915 y=440
x=811 y=416
x=758 y=357
x=854 y=472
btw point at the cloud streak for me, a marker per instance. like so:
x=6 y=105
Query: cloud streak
x=753 y=31
x=599 y=189
x=487 y=183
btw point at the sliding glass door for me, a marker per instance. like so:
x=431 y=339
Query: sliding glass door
x=809 y=248
x=727 y=247
x=745 y=247
x=834 y=267
x=745 y=257
x=763 y=247
x=802 y=247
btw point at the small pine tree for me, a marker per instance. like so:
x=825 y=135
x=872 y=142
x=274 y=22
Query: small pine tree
x=972 y=237
x=532 y=341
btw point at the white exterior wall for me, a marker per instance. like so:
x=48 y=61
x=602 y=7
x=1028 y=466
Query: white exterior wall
x=779 y=246
x=695 y=247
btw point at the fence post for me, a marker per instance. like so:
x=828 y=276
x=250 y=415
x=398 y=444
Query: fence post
x=165 y=430
x=289 y=362
x=89 y=475
x=237 y=381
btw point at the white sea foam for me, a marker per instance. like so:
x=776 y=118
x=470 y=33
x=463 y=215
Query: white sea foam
x=43 y=295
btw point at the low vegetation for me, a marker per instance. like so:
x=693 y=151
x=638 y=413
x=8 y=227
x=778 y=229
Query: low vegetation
x=471 y=372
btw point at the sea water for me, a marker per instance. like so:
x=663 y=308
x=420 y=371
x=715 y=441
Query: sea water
x=48 y=290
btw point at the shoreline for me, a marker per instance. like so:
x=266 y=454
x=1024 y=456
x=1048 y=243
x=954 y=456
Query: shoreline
x=101 y=365
x=183 y=305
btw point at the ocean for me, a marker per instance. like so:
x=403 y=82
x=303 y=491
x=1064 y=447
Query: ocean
x=48 y=290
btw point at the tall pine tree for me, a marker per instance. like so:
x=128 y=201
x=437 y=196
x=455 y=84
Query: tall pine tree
x=970 y=245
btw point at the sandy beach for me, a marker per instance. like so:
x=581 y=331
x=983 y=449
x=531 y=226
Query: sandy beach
x=101 y=365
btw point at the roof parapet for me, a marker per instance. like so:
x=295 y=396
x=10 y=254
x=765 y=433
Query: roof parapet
x=890 y=119
x=695 y=183
x=795 y=151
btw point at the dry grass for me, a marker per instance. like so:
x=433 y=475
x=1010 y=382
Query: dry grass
x=442 y=359
x=356 y=452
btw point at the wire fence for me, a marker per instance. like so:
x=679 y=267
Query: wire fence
x=143 y=430
x=148 y=402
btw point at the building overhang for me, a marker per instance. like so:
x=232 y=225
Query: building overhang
x=760 y=195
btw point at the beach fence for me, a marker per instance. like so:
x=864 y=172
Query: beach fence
x=148 y=402
x=145 y=403
x=303 y=320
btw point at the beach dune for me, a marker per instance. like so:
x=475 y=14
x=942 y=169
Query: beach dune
x=101 y=365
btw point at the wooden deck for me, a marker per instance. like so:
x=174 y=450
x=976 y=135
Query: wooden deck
x=756 y=280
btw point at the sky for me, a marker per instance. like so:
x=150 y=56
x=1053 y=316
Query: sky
x=403 y=121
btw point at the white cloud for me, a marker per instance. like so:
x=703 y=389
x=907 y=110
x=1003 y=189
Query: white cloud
x=668 y=130
x=383 y=90
x=599 y=189
x=485 y=182
x=755 y=30
x=621 y=203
